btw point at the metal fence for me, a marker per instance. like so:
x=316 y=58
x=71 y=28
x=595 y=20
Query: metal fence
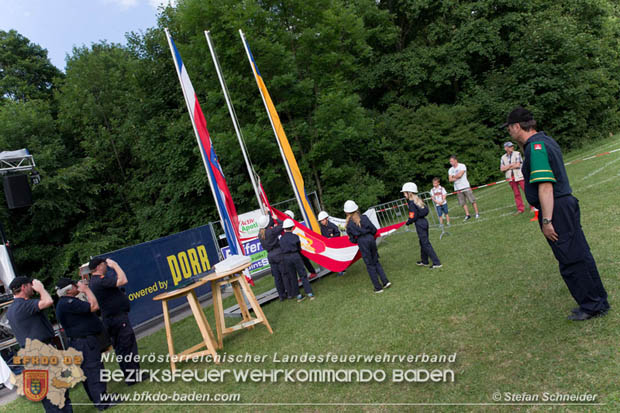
x=291 y=204
x=393 y=212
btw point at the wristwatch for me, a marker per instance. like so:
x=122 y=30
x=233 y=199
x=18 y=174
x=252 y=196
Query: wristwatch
x=546 y=221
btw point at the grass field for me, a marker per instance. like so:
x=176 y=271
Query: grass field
x=499 y=303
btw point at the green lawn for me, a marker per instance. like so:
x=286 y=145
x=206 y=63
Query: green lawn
x=499 y=303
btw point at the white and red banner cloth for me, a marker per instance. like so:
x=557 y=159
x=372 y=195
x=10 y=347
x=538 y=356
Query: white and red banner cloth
x=335 y=254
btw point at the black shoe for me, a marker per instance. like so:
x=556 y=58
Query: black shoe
x=580 y=316
x=388 y=285
x=603 y=313
x=421 y=264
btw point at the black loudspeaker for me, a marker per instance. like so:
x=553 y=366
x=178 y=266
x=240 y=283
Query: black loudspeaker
x=17 y=191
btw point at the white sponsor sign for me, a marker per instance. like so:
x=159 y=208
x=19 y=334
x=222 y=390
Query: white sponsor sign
x=248 y=224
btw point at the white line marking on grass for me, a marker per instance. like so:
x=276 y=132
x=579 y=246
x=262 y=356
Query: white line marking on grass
x=598 y=150
x=596 y=171
x=598 y=183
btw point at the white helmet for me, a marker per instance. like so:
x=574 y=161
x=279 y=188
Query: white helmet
x=263 y=221
x=290 y=213
x=288 y=223
x=350 y=206
x=322 y=215
x=410 y=187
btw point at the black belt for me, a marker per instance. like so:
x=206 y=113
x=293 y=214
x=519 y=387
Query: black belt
x=83 y=337
x=113 y=316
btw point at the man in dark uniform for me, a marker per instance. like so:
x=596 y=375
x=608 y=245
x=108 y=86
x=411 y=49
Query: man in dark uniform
x=269 y=236
x=309 y=266
x=83 y=327
x=547 y=188
x=292 y=265
x=27 y=320
x=105 y=281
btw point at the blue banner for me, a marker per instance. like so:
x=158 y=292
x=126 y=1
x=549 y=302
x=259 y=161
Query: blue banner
x=257 y=254
x=163 y=264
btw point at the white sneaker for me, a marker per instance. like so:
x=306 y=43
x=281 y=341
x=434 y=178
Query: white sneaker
x=378 y=291
x=477 y=216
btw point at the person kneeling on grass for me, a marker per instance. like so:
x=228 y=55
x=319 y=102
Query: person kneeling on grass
x=293 y=265
x=362 y=232
x=417 y=212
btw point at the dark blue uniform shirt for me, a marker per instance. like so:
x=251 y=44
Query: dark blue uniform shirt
x=27 y=321
x=330 y=230
x=76 y=318
x=272 y=236
x=543 y=162
x=415 y=212
x=289 y=243
x=366 y=228
x=112 y=300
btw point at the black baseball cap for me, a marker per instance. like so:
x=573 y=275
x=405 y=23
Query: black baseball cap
x=518 y=114
x=63 y=282
x=19 y=281
x=95 y=262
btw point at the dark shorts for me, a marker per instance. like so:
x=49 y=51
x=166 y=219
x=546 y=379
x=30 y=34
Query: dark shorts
x=442 y=209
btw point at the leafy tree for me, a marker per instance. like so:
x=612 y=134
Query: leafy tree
x=25 y=70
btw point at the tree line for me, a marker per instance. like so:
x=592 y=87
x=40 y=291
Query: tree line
x=371 y=94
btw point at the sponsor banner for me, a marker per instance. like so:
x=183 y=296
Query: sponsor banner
x=255 y=251
x=248 y=225
x=163 y=264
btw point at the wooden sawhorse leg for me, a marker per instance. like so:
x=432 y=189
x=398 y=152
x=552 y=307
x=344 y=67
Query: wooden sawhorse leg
x=203 y=325
x=164 y=305
x=253 y=302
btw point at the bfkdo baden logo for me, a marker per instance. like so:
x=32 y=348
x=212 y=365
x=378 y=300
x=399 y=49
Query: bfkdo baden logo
x=48 y=372
x=35 y=384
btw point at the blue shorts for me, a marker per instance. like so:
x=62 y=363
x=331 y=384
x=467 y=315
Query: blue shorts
x=442 y=209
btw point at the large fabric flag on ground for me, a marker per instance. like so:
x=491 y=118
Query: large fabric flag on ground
x=335 y=254
x=223 y=200
x=292 y=169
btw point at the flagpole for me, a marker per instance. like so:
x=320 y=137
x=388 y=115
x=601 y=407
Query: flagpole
x=202 y=154
x=288 y=171
x=233 y=115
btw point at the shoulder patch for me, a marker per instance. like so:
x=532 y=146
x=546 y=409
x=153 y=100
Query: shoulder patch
x=540 y=169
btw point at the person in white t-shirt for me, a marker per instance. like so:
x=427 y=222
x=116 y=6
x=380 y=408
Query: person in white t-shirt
x=438 y=194
x=458 y=175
